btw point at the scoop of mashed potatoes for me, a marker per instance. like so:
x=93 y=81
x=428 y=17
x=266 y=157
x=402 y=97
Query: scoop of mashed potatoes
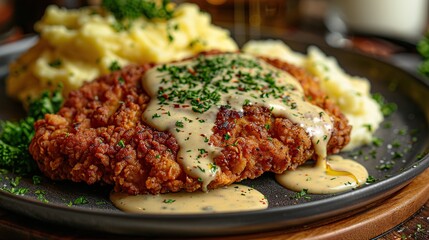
x=78 y=45
x=351 y=93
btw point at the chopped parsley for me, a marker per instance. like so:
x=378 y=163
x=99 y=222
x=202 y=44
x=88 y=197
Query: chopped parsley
x=385 y=166
x=377 y=141
x=302 y=194
x=201 y=87
x=121 y=80
x=126 y=11
x=402 y=132
x=78 y=201
x=15 y=181
x=15 y=190
x=386 y=108
x=421 y=155
x=121 y=143
x=179 y=124
x=397 y=155
x=169 y=200
x=226 y=136
x=14 y=187
x=368 y=127
x=396 y=144
x=201 y=169
x=170 y=29
x=41 y=196
x=100 y=202
x=202 y=150
x=114 y=66
x=133 y=9
x=371 y=179
x=55 y=63
x=37 y=179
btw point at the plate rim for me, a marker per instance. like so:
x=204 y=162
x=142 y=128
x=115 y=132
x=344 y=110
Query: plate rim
x=388 y=186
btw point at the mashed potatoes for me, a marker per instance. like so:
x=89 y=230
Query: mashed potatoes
x=352 y=94
x=79 y=45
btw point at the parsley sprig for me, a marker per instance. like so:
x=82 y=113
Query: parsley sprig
x=15 y=137
x=133 y=9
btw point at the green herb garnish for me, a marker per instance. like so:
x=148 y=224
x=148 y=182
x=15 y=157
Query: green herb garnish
x=377 y=141
x=15 y=137
x=37 y=179
x=302 y=194
x=386 y=108
x=121 y=143
x=169 y=200
x=423 y=49
x=385 y=166
x=370 y=179
x=41 y=196
x=226 y=136
x=114 y=66
x=133 y=9
x=201 y=87
x=368 y=127
x=179 y=124
x=55 y=63
x=78 y=201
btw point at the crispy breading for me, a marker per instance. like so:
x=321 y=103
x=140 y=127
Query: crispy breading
x=99 y=136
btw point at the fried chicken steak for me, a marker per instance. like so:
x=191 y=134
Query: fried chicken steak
x=99 y=136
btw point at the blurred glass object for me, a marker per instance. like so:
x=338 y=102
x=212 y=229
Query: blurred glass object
x=252 y=19
x=398 y=19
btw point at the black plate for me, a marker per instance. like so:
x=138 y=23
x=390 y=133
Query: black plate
x=408 y=126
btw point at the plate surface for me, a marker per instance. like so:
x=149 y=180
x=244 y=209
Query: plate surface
x=407 y=128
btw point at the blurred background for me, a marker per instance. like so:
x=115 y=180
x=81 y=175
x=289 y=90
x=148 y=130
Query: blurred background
x=380 y=26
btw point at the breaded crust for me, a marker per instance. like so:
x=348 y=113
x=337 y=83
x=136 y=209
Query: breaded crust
x=99 y=136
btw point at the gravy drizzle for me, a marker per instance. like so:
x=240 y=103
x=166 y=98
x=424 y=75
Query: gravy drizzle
x=186 y=97
x=338 y=175
x=232 y=198
x=185 y=100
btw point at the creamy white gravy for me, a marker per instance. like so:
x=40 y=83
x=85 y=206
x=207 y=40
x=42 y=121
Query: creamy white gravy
x=338 y=175
x=228 y=199
x=185 y=99
x=179 y=104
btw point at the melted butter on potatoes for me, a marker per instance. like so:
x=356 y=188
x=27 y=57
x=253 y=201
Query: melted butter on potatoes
x=78 y=45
